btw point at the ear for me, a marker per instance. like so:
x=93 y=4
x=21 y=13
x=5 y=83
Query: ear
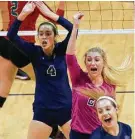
x=55 y=39
x=117 y=109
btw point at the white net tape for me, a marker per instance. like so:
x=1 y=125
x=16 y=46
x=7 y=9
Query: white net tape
x=86 y=32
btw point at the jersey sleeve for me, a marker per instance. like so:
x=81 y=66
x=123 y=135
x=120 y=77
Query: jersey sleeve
x=25 y=46
x=128 y=130
x=62 y=47
x=74 y=69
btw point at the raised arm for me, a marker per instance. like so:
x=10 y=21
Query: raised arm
x=60 y=11
x=60 y=49
x=53 y=16
x=13 y=30
x=28 y=9
x=74 y=69
x=46 y=11
x=72 y=40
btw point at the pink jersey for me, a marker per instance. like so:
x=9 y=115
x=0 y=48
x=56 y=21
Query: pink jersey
x=84 y=115
x=15 y=7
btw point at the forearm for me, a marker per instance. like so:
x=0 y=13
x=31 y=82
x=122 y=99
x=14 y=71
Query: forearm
x=65 y=23
x=52 y=15
x=59 y=12
x=13 y=30
x=46 y=11
x=22 y=16
x=72 y=41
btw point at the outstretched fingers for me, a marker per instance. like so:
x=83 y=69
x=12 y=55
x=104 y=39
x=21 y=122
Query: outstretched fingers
x=29 y=7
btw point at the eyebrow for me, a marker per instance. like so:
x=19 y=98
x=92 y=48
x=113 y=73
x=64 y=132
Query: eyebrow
x=45 y=31
x=108 y=106
x=95 y=56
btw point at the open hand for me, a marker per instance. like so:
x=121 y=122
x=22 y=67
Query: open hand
x=41 y=6
x=28 y=8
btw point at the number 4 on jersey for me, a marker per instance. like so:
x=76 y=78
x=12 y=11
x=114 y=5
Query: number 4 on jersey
x=51 y=70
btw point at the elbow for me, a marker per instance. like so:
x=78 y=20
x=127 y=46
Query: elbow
x=9 y=35
x=71 y=28
x=69 y=60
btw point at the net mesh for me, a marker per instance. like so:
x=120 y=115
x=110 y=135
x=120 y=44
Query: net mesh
x=100 y=17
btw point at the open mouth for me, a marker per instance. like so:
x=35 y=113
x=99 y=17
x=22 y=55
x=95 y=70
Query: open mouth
x=93 y=69
x=108 y=120
x=44 y=43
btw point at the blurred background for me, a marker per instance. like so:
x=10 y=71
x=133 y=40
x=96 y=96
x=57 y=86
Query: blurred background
x=107 y=24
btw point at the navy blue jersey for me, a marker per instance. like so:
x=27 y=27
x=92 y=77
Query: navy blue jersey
x=52 y=85
x=124 y=133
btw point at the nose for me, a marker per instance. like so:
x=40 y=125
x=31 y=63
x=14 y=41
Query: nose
x=92 y=62
x=105 y=113
x=44 y=36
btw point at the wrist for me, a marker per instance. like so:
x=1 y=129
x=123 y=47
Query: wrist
x=76 y=25
x=22 y=16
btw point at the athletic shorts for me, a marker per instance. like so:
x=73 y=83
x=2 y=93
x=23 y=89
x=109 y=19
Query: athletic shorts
x=77 y=135
x=11 y=52
x=52 y=117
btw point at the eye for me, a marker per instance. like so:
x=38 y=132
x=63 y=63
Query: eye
x=40 y=34
x=48 y=34
x=97 y=59
x=100 y=111
x=108 y=108
x=89 y=59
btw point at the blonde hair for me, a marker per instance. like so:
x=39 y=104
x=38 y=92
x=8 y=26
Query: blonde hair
x=109 y=73
x=93 y=93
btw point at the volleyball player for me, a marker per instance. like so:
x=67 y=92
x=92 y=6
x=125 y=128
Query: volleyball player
x=14 y=8
x=10 y=55
x=107 y=110
x=98 y=80
x=53 y=99
x=86 y=86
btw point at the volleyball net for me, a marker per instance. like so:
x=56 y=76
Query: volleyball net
x=100 y=17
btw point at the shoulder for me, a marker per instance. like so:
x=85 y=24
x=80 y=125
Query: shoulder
x=32 y=47
x=97 y=134
x=126 y=128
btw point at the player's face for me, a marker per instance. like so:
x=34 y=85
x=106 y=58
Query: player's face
x=107 y=113
x=94 y=64
x=46 y=37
